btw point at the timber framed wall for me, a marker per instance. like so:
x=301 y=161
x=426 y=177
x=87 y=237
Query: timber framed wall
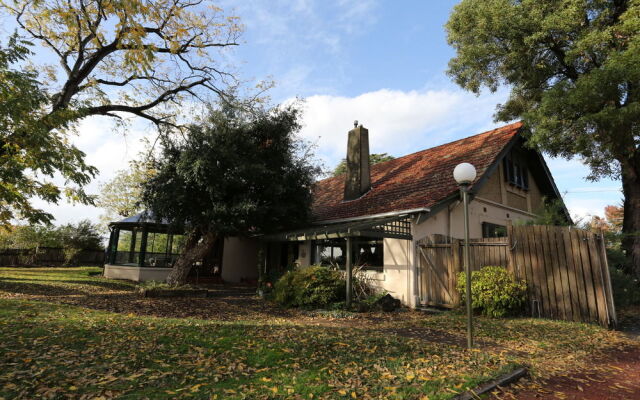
x=566 y=270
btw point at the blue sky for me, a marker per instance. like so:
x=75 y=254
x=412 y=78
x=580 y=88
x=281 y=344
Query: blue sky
x=380 y=62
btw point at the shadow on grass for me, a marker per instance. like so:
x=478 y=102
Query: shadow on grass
x=37 y=289
x=105 y=284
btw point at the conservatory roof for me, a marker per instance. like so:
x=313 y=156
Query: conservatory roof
x=141 y=219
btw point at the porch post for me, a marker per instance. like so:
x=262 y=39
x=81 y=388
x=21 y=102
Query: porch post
x=132 y=247
x=349 y=271
x=143 y=246
x=114 y=245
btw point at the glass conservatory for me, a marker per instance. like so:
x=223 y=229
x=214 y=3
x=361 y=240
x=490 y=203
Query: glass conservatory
x=142 y=248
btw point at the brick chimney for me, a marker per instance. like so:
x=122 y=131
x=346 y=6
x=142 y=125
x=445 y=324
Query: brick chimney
x=358 y=178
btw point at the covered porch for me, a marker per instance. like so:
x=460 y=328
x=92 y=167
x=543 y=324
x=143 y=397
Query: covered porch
x=366 y=242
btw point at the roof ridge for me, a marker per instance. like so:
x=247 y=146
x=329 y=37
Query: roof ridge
x=503 y=127
x=455 y=141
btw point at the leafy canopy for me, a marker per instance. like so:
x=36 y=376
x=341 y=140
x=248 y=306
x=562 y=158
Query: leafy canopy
x=374 y=158
x=234 y=174
x=573 y=67
x=34 y=145
x=122 y=196
x=142 y=57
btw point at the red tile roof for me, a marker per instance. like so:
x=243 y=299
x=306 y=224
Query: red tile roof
x=417 y=180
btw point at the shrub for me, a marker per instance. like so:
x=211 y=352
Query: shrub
x=626 y=288
x=311 y=287
x=496 y=292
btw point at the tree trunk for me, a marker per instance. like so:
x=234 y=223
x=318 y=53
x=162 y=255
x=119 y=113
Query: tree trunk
x=631 y=221
x=195 y=249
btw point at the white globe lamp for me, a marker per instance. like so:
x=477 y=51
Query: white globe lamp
x=464 y=173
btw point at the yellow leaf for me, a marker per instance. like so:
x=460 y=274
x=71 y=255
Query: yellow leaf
x=342 y=392
x=353 y=395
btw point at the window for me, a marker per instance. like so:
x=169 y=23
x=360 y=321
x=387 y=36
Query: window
x=367 y=252
x=515 y=173
x=490 y=230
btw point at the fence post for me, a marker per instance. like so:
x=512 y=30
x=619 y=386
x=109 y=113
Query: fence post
x=613 y=318
x=511 y=264
x=455 y=253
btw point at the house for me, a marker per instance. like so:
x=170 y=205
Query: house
x=381 y=211
x=386 y=208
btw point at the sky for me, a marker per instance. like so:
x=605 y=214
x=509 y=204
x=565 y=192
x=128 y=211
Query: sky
x=382 y=63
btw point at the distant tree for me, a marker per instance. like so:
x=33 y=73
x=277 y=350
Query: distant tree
x=29 y=237
x=614 y=216
x=30 y=153
x=78 y=237
x=552 y=212
x=573 y=69
x=121 y=197
x=234 y=174
x=374 y=158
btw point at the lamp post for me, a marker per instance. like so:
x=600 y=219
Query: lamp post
x=465 y=174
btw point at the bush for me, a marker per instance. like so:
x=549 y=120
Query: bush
x=496 y=293
x=626 y=288
x=311 y=287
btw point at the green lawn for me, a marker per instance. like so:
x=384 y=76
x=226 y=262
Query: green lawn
x=54 y=350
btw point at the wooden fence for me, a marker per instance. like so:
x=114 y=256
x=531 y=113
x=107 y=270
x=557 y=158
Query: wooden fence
x=565 y=269
x=47 y=256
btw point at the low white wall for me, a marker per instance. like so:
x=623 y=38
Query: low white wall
x=239 y=259
x=136 y=274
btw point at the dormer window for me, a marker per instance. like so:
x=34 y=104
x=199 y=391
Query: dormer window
x=515 y=173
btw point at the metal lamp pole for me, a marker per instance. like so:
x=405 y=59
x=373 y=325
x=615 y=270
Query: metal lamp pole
x=465 y=174
x=467 y=264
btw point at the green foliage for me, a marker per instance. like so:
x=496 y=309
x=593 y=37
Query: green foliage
x=572 y=67
x=311 y=287
x=72 y=238
x=34 y=146
x=552 y=212
x=626 y=288
x=121 y=197
x=235 y=174
x=29 y=237
x=495 y=291
x=374 y=158
x=77 y=237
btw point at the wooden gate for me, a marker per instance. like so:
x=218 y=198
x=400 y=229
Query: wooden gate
x=565 y=269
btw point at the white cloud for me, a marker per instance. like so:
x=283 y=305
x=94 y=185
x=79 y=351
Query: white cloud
x=399 y=122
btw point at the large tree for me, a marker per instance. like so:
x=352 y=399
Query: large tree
x=573 y=69
x=235 y=174
x=144 y=58
x=30 y=153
